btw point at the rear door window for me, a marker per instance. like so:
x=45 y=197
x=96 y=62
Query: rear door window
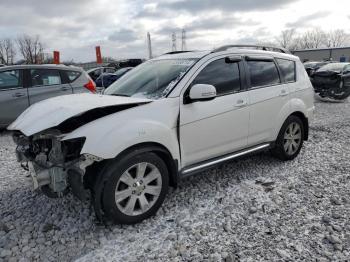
x=45 y=77
x=263 y=73
x=287 y=68
x=10 y=79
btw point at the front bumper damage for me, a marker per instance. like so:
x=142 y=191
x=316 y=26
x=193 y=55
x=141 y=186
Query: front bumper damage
x=54 y=165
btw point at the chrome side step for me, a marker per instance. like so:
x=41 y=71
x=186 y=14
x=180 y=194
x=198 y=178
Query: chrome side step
x=206 y=164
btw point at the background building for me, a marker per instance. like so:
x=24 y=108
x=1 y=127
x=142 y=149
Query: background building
x=341 y=54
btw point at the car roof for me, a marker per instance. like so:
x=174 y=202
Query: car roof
x=46 y=66
x=238 y=51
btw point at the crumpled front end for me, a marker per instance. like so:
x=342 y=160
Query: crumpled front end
x=54 y=165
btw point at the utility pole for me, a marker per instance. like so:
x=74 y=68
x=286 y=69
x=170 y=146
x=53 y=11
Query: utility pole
x=183 y=42
x=149 y=45
x=173 y=39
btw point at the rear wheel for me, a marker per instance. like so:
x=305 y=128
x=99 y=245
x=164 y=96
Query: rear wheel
x=290 y=139
x=136 y=188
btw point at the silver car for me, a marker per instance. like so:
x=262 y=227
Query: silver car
x=24 y=85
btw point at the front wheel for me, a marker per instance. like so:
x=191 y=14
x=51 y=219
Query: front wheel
x=136 y=188
x=290 y=139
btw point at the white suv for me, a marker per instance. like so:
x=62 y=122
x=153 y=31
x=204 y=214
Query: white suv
x=168 y=118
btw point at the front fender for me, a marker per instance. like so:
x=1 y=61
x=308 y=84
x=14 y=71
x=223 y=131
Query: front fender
x=107 y=137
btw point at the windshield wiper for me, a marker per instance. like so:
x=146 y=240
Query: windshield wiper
x=119 y=95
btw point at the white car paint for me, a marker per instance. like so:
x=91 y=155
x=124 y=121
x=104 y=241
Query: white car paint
x=149 y=123
x=51 y=112
x=206 y=129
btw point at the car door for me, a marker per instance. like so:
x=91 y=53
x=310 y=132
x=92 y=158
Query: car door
x=267 y=95
x=46 y=83
x=13 y=96
x=219 y=126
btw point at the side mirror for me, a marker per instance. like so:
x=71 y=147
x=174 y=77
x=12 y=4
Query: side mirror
x=202 y=92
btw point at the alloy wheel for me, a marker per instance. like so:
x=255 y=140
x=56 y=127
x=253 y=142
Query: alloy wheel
x=292 y=138
x=138 y=189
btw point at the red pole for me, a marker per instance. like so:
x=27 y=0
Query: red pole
x=98 y=55
x=56 y=57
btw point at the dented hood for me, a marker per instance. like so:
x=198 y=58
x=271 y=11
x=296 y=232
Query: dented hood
x=52 y=112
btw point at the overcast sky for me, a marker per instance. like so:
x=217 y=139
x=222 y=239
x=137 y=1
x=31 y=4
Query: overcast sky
x=74 y=27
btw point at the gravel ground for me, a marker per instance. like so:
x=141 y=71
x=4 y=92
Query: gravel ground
x=257 y=208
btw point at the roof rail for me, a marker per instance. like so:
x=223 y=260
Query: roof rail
x=176 y=52
x=259 y=47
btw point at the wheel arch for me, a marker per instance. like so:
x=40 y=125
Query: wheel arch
x=154 y=147
x=161 y=151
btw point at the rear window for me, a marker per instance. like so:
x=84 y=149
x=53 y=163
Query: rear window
x=109 y=70
x=287 y=68
x=72 y=75
x=45 y=77
x=10 y=79
x=263 y=73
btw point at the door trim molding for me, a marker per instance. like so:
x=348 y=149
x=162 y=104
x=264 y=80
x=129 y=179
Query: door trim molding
x=211 y=162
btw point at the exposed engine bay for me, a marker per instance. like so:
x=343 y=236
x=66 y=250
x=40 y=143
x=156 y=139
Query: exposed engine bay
x=54 y=165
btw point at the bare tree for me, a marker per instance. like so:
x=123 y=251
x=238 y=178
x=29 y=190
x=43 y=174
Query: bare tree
x=312 y=39
x=337 y=38
x=7 y=51
x=287 y=39
x=31 y=49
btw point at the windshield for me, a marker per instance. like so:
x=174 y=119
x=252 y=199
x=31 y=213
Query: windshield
x=333 y=67
x=153 y=79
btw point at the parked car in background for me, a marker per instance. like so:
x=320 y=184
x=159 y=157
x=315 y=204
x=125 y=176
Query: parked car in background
x=130 y=62
x=171 y=117
x=311 y=67
x=24 y=85
x=105 y=80
x=95 y=73
x=332 y=81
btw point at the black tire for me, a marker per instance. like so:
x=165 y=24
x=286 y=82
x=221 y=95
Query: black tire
x=279 y=149
x=49 y=193
x=115 y=170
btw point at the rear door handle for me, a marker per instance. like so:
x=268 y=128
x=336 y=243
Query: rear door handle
x=65 y=88
x=18 y=95
x=283 y=92
x=241 y=103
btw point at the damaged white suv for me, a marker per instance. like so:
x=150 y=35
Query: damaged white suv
x=168 y=118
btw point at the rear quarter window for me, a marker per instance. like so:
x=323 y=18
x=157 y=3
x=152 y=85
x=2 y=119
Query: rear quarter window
x=288 y=69
x=72 y=75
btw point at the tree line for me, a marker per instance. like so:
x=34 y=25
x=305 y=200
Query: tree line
x=30 y=48
x=315 y=38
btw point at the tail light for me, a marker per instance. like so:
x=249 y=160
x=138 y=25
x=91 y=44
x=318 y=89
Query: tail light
x=90 y=86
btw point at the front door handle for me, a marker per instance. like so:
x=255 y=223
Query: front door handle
x=18 y=95
x=241 y=103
